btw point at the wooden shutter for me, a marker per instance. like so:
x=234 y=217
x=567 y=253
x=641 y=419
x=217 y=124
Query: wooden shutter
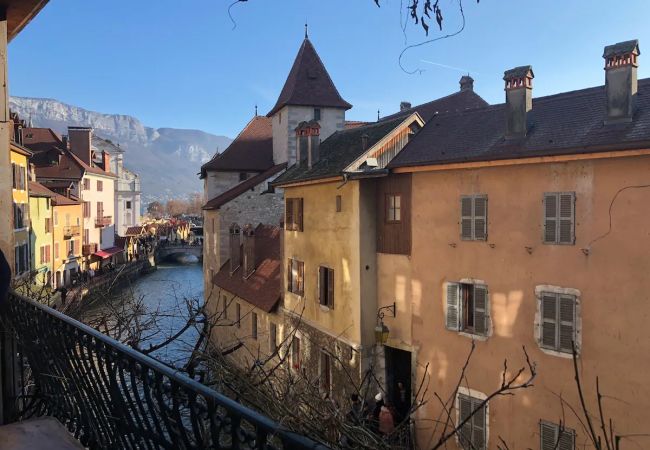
x=330 y=288
x=548 y=437
x=321 y=284
x=299 y=204
x=453 y=306
x=466 y=208
x=289 y=275
x=550 y=218
x=566 y=214
x=566 y=322
x=480 y=217
x=301 y=277
x=42 y=254
x=289 y=214
x=480 y=309
x=566 y=440
x=549 y=320
x=478 y=425
x=465 y=409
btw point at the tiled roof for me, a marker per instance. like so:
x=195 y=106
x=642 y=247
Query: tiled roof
x=62 y=200
x=308 y=83
x=36 y=189
x=242 y=187
x=567 y=123
x=458 y=101
x=262 y=288
x=135 y=231
x=251 y=151
x=354 y=123
x=41 y=139
x=120 y=241
x=338 y=151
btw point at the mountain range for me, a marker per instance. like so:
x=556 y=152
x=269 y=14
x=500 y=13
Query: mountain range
x=167 y=159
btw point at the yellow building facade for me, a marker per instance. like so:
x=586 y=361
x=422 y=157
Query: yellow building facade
x=41 y=233
x=20 y=198
x=67 y=218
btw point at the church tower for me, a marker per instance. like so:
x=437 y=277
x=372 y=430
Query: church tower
x=308 y=94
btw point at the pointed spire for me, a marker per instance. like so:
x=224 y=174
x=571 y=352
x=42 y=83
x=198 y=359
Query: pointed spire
x=255 y=109
x=306 y=30
x=377 y=115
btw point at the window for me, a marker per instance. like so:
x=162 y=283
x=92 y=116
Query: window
x=20 y=216
x=100 y=185
x=243 y=176
x=554 y=438
x=56 y=218
x=473 y=434
x=21 y=262
x=101 y=237
x=325 y=371
x=559 y=218
x=467 y=308
x=100 y=210
x=338 y=203
x=19 y=177
x=254 y=325
x=128 y=204
x=238 y=315
x=86 y=236
x=48 y=225
x=473 y=221
x=86 y=184
x=393 y=208
x=56 y=250
x=326 y=286
x=294 y=214
x=296 y=276
x=70 y=247
x=316 y=113
x=273 y=337
x=295 y=353
x=558 y=321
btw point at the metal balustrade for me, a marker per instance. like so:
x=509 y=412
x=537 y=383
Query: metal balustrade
x=112 y=396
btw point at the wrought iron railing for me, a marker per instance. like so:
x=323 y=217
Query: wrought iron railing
x=111 y=396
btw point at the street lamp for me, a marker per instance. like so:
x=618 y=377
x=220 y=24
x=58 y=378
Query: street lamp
x=381 y=330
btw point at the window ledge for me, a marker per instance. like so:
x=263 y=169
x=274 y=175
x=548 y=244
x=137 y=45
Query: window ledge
x=557 y=353
x=324 y=308
x=478 y=337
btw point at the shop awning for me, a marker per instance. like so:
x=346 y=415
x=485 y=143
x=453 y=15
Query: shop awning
x=108 y=252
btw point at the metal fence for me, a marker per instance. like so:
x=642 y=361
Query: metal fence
x=111 y=396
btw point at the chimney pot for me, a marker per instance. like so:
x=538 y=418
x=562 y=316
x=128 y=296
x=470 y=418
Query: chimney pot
x=519 y=100
x=404 y=105
x=621 y=80
x=466 y=83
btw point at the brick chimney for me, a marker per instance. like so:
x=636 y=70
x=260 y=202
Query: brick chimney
x=308 y=140
x=249 y=250
x=106 y=161
x=466 y=83
x=519 y=100
x=404 y=105
x=80 y=143
x=235 y=247
x=621 y=80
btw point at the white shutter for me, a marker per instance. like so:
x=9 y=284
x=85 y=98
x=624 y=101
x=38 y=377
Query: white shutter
x=478 y=425
x=480 y=309
x=566 y=322
x=566 y=214
x=480 y=217
x=466 y=219
x=453 y=306
x=549 y=320
x=550 y=218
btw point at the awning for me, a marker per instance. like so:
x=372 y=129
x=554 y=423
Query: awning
x=107 y=253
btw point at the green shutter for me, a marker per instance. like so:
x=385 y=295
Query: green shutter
x=480 y=217
x=453 y=307
x=549 y=320
x=480 y=309
x=466 y=219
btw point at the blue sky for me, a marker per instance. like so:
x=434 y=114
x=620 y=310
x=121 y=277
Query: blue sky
x=180 y=64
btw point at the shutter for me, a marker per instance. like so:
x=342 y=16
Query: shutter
x=299 y=205
x=289 y=214
x=466 y=218
x=480 y=218
x=549 y=320
x=567 y=322
x=290 y=275
x=566 y=218
x=321 y=283
x=567 y=440
x=480 y=309
x=550 y=218
x=478 y=426
x=42 y=254
x=465 y=408
x=453 y=307
x=301 y=278
x=330 y=288
x=547 y=433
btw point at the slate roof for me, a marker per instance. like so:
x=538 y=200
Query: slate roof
x=251 y=151
x=561 y=124
x=458 y=101
x=339 y=151
x=262 y=288
x=308 y=83
x=242 y=187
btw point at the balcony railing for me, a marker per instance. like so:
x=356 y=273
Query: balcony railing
x=111 y=396
x=103 y=221
x=71 y=231
x=88 y=249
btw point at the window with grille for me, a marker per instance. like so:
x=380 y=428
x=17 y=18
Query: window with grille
x=296 y=276
x=254 y=325
x=393 y=208
x=473 y=220
x=554 y=437
x=468 y=308
x=559 y=218
x=558 y=321
x=293 y=210
x=473 y=434
x=326 y=286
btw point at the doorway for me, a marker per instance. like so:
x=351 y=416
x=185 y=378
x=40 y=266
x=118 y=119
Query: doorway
x=398 y=370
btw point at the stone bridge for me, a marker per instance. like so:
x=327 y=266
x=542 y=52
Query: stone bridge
x=172 y=251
